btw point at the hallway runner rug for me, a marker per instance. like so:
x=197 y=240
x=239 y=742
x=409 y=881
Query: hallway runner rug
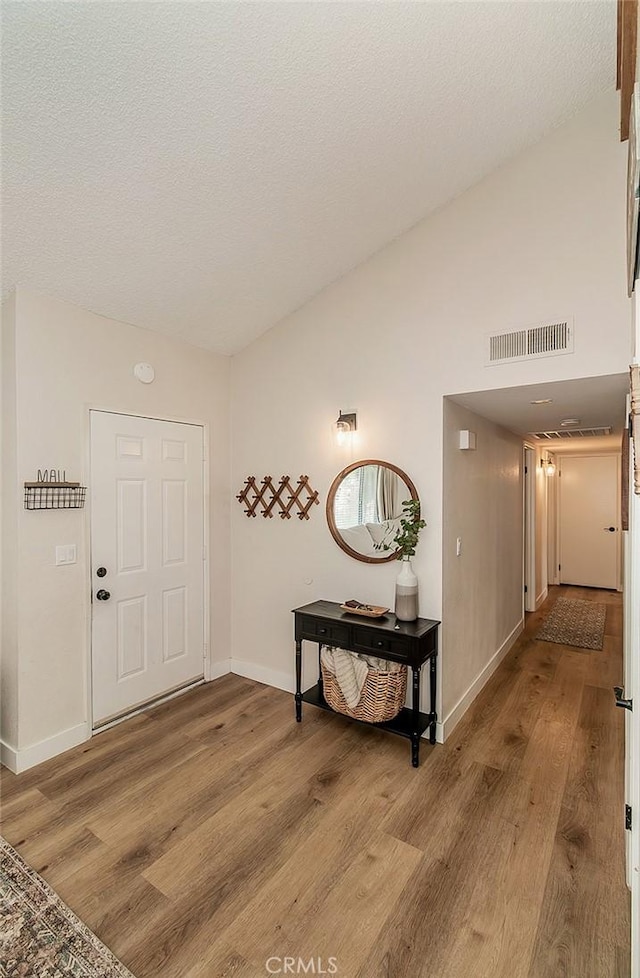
x=40 y=936
x=575 y=622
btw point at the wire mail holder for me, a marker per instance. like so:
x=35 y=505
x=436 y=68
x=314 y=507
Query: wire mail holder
x=54 y=495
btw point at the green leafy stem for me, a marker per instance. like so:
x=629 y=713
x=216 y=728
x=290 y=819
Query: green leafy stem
x=406 y=539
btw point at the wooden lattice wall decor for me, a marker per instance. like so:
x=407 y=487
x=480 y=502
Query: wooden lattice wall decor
x=267 y=496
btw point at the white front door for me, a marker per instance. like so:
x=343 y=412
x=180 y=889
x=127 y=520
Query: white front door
x=147 y=550
x=632 y=692
x=588 y=520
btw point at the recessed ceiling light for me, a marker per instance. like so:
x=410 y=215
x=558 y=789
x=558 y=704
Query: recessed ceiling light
x=543 y=400
x=569 y=422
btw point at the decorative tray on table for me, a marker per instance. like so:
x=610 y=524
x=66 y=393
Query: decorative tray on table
x=366 y=610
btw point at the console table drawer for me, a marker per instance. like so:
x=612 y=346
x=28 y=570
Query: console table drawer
x=324 y=631
x=374 y=642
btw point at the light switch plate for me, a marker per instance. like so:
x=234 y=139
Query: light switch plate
x=66 y=554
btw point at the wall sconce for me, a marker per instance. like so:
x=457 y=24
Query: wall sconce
x=548 y=466
x=345 y=427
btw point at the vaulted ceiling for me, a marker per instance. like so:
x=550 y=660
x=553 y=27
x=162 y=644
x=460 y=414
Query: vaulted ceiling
x=205 y=168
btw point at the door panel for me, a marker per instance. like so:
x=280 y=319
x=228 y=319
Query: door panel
x=147 y=526
x=174 y=623
x=132 y=636
x=131 y=525
x=588 y=518
x=174 y=522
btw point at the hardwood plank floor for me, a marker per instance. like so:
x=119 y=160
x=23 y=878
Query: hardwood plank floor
x=212 y=833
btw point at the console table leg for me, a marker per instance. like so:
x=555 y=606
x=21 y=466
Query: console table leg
x=415 y=733
x=432 y=698
x=298 y=681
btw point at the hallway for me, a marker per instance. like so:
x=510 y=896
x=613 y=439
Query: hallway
x=211 y=833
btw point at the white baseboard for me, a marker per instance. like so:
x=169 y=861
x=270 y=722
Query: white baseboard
x=21 y=760
x=262 y=674
x=217 y=669
x=542 y=597
x=444 y=728
x=9 y=756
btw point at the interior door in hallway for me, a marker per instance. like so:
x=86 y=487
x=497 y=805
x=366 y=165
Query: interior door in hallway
x=589 y=528
x=147 y=549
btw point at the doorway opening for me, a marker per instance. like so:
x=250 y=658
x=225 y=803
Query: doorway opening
x=567 y=435
x=572 y=431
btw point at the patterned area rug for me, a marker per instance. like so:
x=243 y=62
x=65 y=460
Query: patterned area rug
x=575 y=622
x=40 y=936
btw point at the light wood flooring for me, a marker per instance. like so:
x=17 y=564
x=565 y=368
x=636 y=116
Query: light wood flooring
x=211 y=833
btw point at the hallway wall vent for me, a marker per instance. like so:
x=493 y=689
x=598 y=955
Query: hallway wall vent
x=572 y=433
x=545 y=340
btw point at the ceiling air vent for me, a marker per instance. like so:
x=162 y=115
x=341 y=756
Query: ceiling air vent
x=572 y=433
x=548 y=340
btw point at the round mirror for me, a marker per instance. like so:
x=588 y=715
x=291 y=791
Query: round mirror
x=364 y=508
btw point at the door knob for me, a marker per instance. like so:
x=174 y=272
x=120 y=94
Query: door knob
x=103 y=595
x=101 y=572
x=609 y=529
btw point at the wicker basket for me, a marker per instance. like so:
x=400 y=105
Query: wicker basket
x=382 y=697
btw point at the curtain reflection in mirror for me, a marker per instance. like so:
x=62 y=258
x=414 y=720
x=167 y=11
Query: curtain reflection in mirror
x=364 y=509
x=369 y=494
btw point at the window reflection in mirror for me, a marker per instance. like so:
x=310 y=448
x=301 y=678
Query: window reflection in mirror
x=365 y=507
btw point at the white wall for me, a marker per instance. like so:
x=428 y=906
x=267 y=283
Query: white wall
x=68 y=360
x=542 y=237
x=8 y=527
x=482 y=588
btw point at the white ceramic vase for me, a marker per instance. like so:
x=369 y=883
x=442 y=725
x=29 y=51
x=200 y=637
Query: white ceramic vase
x=406 y=592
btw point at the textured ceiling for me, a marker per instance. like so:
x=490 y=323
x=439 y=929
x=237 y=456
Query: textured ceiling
x=205 y=168
x=596 y=401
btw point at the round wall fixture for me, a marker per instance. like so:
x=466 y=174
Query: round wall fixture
x=144 y=372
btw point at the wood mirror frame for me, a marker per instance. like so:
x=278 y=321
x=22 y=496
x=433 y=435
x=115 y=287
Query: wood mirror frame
x=335 y=485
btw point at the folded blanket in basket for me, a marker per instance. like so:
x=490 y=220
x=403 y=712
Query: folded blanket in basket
x=351 y=668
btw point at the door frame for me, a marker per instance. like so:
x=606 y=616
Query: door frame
x=529 y=462
x=551 y=530
x=631 y=680
x=206 y=597
x=560 y=457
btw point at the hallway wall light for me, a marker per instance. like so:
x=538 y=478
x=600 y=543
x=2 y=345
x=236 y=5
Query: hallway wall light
x=345 y=427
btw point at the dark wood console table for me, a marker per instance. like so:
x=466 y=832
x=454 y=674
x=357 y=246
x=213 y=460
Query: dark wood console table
x=411 y=643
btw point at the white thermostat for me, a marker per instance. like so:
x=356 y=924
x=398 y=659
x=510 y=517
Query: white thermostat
x=144 y=372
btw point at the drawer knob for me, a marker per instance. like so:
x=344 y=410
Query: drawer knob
x=323 y=631
x=379 y=645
